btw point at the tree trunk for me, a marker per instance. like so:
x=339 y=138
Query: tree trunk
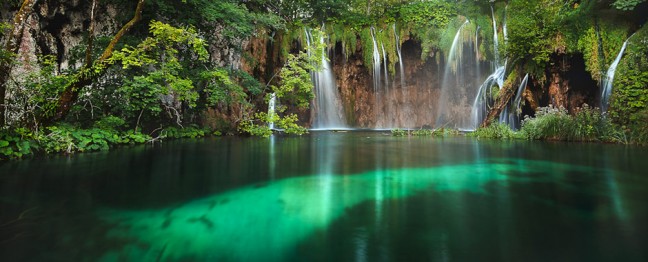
x=13 y=40
x=504 y=96
x=92 y=70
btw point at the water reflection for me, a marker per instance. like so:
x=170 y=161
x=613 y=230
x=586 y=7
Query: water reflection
x=328 y=196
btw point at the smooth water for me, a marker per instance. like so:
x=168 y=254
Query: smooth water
x=354 y=196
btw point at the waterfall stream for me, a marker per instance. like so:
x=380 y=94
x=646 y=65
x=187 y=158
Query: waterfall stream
x=328 y=105
x=453 y=100
x=271 y=109
x=609 y=79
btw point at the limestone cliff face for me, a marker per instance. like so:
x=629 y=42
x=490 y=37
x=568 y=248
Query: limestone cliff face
x=392 y=104
x=57 y=27
x=567 y=84
x=60 y=28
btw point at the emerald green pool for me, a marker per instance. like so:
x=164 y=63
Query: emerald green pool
x=354 y=196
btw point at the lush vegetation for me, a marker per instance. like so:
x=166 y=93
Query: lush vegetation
x=160 y=73
x=439 y=132
x=556 y=124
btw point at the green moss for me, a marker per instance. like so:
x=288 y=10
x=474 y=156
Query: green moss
x=629 y=100
x=612 y=37
x=367 y=48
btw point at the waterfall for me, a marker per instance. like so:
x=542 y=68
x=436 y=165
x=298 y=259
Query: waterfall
x=483 y=100
x=328 y=105
x=453 y=93
x=400 y=57
x=377 y=72
x=376 y=61
x=495 y=41
x=271 y=109
x=504 y=25
x=609 y=79
x=511 y=113
x=382 y=46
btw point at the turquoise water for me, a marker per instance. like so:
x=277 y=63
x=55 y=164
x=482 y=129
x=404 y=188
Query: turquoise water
x=355 y=196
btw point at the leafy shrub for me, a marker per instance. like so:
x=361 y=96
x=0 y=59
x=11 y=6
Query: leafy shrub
x=187 y=132
x=14 y=145
x=551 y=123
x=498 y=130
x=398 y=132
x=110 y=123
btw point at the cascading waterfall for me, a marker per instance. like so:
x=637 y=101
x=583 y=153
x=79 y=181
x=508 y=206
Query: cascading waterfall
x=328 y=105
x=495 y=41
x=453 y=88
x=511 y=113
x=271 y=108
x=400 y=57
x=609 y=79
x=477 y=66
x=504 y=31
x=376 y=62
x=483 y=100
x=382 y=108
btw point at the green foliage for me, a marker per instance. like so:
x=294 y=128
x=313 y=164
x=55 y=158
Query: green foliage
x=221 y=89
x=367 y=48
x=551 y=123
x=296 y=86
x=259 y=125
x=532 y=31
x=161 y=61
x=598 y=58
x=427 y=14
x=15 y=144
x=186 y=132
x=626 y=5
x=34 y=95
x=399 y=132
x=110 y=123
x=497 y=131
x=5 y=56
x=236 y=19
x=439 y=132
x=630 y=93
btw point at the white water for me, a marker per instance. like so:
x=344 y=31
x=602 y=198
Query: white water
x=376 y=62
x=511 y=113
x=453 y=89
x=495 y=41
x=400 y=57
x=379 y=94
x=483 y=99
x=328 y=105
x=271 y=109
x=609 y=79
x=504 y=25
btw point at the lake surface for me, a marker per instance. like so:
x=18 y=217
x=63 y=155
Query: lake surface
x=355 y=196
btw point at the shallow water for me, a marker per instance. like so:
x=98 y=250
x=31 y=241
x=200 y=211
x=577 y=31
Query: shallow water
x=330 y=196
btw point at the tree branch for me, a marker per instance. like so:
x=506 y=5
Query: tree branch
x=88 y=73
x=11 y=47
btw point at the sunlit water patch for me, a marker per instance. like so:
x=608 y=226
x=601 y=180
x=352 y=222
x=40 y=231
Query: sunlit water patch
x=264 y=222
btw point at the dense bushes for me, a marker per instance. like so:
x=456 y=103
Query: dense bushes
x=497 y=130
x=550 y=123
x=439 y=132
x=65 y=138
